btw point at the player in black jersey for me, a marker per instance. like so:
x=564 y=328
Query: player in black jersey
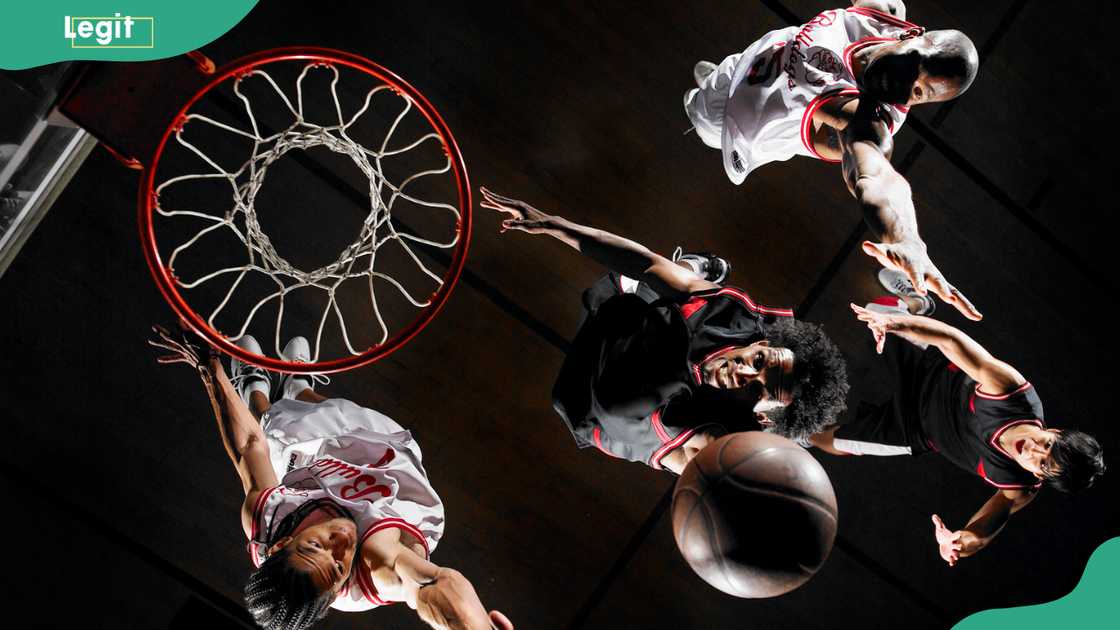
x=954 y=398
x=666 y=360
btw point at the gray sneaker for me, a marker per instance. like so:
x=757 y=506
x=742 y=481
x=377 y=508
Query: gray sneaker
x=701 y=71
x=246 y=377
x=298 y=350
x=897 y=283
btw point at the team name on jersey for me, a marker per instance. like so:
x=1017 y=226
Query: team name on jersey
x=363 y=484
x=804 y=38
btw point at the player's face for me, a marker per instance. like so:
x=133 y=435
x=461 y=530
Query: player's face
x=1032 y=451
x=900 y=78
x=325 y=551
x=766 y=369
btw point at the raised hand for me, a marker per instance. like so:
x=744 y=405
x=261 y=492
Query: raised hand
x=910 y=258
x=880 y=324
x=179 y=348
x=521 y=216
x=948 y=542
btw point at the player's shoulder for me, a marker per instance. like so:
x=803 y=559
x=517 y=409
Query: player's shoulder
x=1021 y=399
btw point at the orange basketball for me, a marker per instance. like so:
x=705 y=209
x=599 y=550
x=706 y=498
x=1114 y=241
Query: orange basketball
x=754 y=515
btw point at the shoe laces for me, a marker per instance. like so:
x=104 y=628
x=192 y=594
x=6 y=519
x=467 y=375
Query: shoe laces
x=314 y=378
x=249 y=372
x=677 y=253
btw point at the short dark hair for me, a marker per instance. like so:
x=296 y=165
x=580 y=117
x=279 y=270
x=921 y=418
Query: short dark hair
x=952 y=54
x=281 y=597
x=1079 y=460
x=820 y=377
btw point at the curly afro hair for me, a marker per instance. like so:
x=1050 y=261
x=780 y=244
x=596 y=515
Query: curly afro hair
x=820 y=375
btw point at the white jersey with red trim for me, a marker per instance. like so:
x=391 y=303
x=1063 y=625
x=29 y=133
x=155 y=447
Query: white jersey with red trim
x=758 y=105
x=357 y=459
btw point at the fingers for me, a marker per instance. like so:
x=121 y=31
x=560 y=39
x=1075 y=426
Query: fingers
x=876 y=251
x=963 y=305
x=493 y=200
x=938 y=523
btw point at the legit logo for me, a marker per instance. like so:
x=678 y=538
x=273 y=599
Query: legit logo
x=111 y=32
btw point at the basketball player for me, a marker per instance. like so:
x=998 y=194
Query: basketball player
x=338 y=509
x=954 y=398
x=667 y=360
x=837 y=89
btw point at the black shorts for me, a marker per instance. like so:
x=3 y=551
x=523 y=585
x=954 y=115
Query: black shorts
x=893 y=427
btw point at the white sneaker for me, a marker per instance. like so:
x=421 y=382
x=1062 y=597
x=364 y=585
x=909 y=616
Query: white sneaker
x=897 y=283
x=708 y=266
x=298 y=350
x=701 y=71
x=247 y=378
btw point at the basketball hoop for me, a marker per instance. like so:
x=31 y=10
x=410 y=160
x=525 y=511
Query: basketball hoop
x=357 y=261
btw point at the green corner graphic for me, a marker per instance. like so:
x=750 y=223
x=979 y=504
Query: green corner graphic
x=49 y=31
x=1091 y=604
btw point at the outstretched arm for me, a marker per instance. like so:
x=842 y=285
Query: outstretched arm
x=241 y=433
x=613 y=252
x=994 y=376
x=982 y=528
x=443 y=598
x=888 y=207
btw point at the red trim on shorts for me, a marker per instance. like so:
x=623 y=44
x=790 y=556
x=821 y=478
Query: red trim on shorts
x=883 y=17
x=1022 y=388
x=887 y=300
x=689 y=308
x=807 y=118
x=658 y=427
x=597 y=435
x=742 y=296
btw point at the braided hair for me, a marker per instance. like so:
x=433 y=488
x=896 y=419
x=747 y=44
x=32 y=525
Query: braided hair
x=279 y=596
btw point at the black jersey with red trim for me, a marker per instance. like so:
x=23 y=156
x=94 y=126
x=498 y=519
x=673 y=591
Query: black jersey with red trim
x=632 y=375
x=968 y=434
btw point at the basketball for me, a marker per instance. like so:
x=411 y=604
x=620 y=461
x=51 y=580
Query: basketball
x=754 y=515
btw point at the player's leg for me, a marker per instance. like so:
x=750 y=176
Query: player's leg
x=253 y=383
x=705 y=104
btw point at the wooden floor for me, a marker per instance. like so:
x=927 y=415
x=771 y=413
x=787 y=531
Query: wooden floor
x=123 y=509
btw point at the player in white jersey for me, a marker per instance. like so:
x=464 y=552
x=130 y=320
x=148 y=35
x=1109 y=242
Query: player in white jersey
x=837 y=88
x=338 y=508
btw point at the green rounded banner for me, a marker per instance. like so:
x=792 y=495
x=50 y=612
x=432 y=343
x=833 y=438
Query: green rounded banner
x=50 y=31
x=1091 y=604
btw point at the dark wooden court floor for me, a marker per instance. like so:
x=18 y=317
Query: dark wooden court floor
x=122 y=509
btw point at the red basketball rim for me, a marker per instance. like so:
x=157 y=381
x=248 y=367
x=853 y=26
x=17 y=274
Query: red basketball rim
x=166 y=282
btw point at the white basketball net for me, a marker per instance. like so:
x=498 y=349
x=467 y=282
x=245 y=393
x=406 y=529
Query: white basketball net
x=356 y=260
